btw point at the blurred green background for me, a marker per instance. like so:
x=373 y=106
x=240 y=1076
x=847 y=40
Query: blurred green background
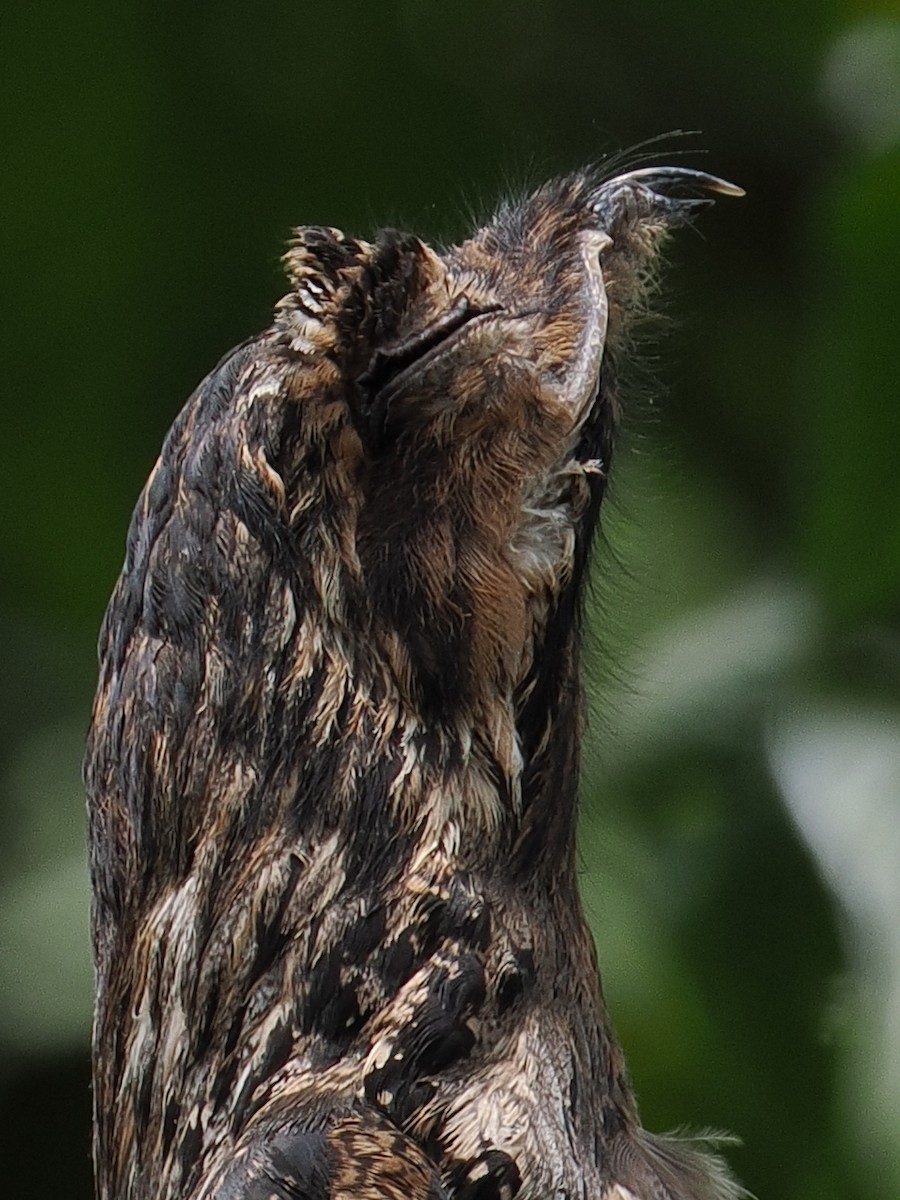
x=741 y=834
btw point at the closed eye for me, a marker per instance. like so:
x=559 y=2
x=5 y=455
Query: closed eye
x=389 y=366
x=389 y=362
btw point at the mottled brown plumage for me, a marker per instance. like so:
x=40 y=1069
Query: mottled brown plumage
x=335 y=747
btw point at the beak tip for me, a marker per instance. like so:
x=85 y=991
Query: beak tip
x=723 y=188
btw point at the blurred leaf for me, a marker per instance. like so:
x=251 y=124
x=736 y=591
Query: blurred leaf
x=839 y=771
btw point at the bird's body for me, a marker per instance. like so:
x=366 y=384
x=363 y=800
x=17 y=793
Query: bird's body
x=334 y=757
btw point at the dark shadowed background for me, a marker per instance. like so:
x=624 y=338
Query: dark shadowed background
x=741 y=834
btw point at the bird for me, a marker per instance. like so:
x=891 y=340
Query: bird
x=333 y=763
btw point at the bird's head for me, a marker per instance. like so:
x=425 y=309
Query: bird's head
x=481 y=383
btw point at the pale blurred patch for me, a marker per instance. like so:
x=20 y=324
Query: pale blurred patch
x=838 y=769
x=860 y=83
x=46 y=983
x=707 y=667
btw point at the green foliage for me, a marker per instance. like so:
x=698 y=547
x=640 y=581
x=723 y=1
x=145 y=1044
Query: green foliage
x=741 y=834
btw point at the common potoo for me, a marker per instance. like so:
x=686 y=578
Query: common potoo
x=335 y=747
